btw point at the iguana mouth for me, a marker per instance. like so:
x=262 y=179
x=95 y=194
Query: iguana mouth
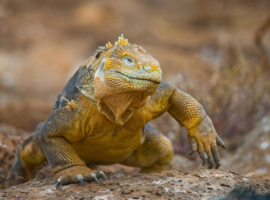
x=155 y=79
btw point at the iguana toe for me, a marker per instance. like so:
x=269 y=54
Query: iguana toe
x=94 y=177
x=204 y=162
x=217 y=166
x=102 y=175
x=91 y=177
x=81 y=180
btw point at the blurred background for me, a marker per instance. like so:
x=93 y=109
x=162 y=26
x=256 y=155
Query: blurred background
x=215 y=50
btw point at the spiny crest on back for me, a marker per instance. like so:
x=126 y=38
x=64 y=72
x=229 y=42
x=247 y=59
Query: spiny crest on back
x=121 y=41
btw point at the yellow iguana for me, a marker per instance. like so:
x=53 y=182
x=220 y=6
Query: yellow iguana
x=102 y=118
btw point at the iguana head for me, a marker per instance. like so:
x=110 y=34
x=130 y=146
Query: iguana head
x=127 y=67
x=124 y=76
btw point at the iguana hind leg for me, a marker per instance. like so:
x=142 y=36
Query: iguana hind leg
x=155 y=154
x=29 y=158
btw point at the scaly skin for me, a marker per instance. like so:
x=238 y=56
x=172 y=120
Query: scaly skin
x=101 y=118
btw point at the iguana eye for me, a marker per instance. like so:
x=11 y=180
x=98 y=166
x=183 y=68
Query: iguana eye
x=128 y=61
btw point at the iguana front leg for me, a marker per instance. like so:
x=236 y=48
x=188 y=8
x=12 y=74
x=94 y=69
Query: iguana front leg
x=201 y=132
x=62 y=128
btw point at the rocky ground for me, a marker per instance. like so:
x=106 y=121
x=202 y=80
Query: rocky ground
x=189 y=184
x=10 y=138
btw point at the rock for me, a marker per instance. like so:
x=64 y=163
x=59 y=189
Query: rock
x=253 y=156
x=189 y=184
x=10 y=139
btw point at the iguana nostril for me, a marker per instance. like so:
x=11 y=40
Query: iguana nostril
x=147 y=68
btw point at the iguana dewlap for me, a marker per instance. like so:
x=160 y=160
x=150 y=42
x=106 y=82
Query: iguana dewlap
x=101 y=118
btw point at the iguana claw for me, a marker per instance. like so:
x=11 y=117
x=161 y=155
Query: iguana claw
x=94 y=177
x=58 y=183
x=217 y=166
x=191 y=153
x=204 y=162
x=81 y=182
x=102 y=175
x=80 y=177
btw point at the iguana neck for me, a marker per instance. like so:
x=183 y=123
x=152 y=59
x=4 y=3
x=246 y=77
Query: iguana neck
x=118 y=106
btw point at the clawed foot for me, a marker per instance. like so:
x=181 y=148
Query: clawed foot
x=207 y=148
x=78 y=174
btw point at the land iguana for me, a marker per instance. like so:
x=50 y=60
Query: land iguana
x=102 y=117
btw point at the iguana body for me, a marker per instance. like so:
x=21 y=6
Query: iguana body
x=101 y=118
